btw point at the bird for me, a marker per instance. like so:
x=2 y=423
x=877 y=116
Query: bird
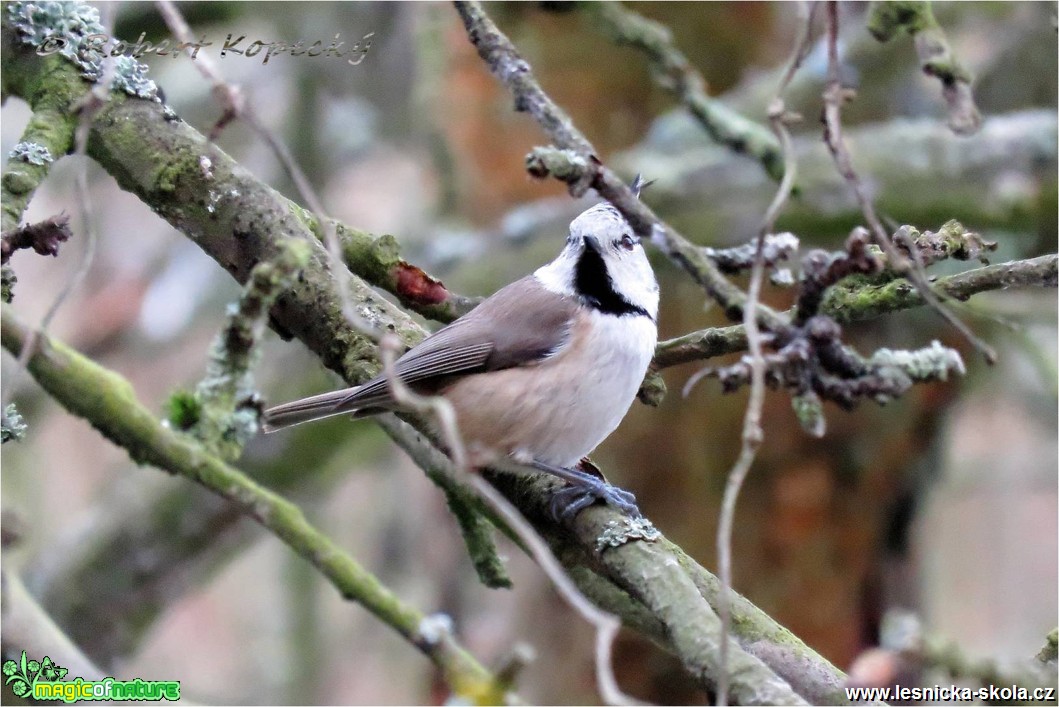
x=540 y=372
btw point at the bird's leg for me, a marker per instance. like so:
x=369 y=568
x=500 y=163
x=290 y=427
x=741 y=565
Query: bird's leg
x=583 y=491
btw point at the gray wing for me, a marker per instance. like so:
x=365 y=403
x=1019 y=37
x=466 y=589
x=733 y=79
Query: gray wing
x=520 y=324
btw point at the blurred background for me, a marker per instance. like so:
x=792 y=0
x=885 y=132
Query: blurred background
x=944 y=502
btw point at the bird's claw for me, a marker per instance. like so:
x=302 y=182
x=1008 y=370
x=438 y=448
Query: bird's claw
x=568 y=502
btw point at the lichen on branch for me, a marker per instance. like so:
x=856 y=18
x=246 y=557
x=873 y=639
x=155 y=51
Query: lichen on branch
x=12 y=426
x=854 y=300
x=224 y=410
x=70 y=28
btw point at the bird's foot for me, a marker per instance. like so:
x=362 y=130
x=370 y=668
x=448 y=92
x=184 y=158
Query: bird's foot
x=584 y=490
x=568 y=502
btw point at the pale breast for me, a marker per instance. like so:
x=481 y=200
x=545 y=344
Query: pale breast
x=560 y=409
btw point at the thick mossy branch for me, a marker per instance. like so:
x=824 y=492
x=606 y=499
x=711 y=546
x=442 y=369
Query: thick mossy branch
x=239 y=222
x=50 y=130
x=655 y=587
x=936 y=58
x=673 y=72
x=108 y=402
x=223 y=413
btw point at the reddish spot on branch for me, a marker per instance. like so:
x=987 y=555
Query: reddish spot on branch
x=416 y=286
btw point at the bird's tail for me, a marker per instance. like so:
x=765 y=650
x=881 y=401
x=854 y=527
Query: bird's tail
x=306 y=410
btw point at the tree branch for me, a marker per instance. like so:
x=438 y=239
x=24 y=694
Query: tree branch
x=516 y=74
x=134 y=563
x=51 y=132
x=223 y=411
x=835 y=96
x=108 y=402
x=936 y=58
x=682 y=597
x=48 y=136
x=672 y=71
x=848 y=302
x=43 y=237
x=852 y=301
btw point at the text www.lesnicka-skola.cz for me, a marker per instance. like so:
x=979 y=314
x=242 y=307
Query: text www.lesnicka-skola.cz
x=952 y=693
x=97 y=46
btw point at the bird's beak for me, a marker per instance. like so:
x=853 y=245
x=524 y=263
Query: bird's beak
x=592 y=244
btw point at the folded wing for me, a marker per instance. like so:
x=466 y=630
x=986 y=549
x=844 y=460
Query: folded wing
x=521 y=324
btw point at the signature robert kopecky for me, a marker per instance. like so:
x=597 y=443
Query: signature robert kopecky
x=97 y=46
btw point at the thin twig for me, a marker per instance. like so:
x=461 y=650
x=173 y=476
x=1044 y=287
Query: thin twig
x=231 y=97
x=605 y=623
x=752 y=437
x=835 y=95
x=753 y=434
x=673 y=72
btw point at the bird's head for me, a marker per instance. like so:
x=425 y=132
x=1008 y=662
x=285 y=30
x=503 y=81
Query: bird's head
x=604 y=265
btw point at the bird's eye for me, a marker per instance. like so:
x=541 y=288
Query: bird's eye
x=628 y=242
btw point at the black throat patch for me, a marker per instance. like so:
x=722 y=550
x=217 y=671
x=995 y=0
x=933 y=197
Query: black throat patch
x=593 y=285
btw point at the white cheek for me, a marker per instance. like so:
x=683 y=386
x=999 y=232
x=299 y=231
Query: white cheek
x=637 y=282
